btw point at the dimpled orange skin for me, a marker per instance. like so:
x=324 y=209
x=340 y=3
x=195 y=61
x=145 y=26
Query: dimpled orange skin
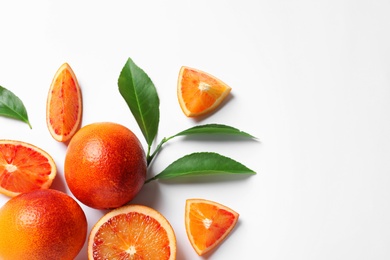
x=105 y=165
x=42 y=224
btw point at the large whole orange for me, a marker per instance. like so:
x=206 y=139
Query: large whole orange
x=105 y=165
x=41 y=224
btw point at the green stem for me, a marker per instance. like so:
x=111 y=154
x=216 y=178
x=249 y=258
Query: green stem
x=150 y=179
x=149 y=158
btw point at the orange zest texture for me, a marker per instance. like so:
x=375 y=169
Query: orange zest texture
x=42 y=224
x=64 y=104
x=208 y=223
x=24 y=167
x=132 y=232
x=198 y=92
x=105 y=165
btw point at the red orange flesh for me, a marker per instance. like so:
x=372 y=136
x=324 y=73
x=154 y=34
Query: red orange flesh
x=132 y=232
x=199 y=92
x=24 y=167
x=64 y=104
x=208 y=223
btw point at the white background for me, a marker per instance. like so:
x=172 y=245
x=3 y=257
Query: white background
x=310 y=79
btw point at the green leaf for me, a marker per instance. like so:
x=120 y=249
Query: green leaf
x=141 y=97
x=202 y=164
x=214 y=129
x=203 y=129
x=11 y=106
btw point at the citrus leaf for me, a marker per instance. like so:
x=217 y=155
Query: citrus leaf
x=11 y=106
x=141 y=97
x=202 y=164
x=201 y=130
x=213 y=129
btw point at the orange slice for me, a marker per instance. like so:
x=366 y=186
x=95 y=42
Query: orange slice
x=199 y=92
x=64 y=104
x=208 y=223
x=132 y=232
x=24 y=167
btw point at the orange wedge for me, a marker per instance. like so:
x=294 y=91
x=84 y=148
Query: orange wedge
x=198 y=92
x=208 y=223
x=24 y=167
x=132 y=232
x=64 y=104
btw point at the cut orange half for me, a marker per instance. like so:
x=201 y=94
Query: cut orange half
x=24 y=167
x=132 y=232
x=199 y=92
x=64 y=104
x=208 y=223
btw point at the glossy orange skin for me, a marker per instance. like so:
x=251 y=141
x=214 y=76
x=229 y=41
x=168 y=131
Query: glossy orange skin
x=42 y=224
x=105 y=165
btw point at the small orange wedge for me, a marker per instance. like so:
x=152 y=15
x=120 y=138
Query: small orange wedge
x=132 y=232
x=198 y=92
x=208 y=223
x=64 y=104
x=24 y=167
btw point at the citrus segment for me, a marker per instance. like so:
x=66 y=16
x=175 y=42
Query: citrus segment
x=64 y=104
x=208 y=223
x=199 y=92
x=24 y=167
x=42 y=224
x=132 y=232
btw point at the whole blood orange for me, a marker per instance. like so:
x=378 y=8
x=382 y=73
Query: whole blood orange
x=42 y=224
x=24 y=167
x=105 y=165
x=198 y=92
x=208 y=223
x=132 y=232
x=64 y=104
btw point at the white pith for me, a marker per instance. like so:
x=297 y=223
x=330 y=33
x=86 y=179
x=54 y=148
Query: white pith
x=203 y=86
x=11 y=168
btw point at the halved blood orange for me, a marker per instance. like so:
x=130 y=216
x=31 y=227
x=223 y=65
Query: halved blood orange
x=199 y=92
x=132 y=232
x=64 y=104
x=24 y=167
x=208 y=223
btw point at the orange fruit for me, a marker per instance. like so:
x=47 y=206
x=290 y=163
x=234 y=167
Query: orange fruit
x=132 y=232
x=42 y=224
x=199 y=92
x=208 y=223
x=64 y=105
x=24 y=167
x=105 y=165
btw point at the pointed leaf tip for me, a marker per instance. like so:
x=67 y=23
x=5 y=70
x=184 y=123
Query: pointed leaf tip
x=141 y=96
x=202 y=164
x=12 y=106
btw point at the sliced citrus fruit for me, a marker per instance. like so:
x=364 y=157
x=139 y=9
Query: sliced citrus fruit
x=199 y=92
x=64 y=104
x=24 y=167
x=208 y=223
x=132 y=232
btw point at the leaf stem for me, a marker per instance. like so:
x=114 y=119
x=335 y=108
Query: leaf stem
x=150 y=157
x=150 y=179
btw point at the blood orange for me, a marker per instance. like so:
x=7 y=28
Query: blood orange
x=132 y=232
x=24 y=167
x=64 y=105
x=105 y=165
x=199 y=92
x=42 y=224
x=208 y=223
